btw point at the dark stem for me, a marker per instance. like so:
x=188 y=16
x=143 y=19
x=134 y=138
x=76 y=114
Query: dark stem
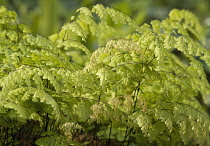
x=95 y=133
x=125 y=134
x=47 y=122
x=129 y=136
x=99 y=98
x=110 y=132
x=52 y=125
x=6 y=136
x=135 y=96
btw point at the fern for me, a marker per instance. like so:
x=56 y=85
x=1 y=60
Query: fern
x=131 y=88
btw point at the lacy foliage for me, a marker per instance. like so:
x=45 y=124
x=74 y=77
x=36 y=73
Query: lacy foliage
x=133 y=86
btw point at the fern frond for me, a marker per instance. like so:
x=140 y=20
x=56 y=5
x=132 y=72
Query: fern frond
x=188 y=21
x=73 y=43
x=6 y=16
x=73 y=27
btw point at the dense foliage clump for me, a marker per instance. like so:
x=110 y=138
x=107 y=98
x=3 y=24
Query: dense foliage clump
x=128 y=88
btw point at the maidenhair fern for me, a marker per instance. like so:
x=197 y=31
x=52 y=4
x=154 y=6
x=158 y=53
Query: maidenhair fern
x=131 y=90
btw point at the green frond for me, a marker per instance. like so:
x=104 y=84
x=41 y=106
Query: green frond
x=72 y=27
x=85 y=11
x=120 y=17
x=6 y=16
x=100 y=10
x=67 y=44
x=189 y=22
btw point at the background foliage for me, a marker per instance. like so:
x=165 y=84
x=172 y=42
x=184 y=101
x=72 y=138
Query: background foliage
x=38 y=14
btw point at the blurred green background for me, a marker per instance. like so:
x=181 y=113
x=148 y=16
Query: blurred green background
x=46 y=17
